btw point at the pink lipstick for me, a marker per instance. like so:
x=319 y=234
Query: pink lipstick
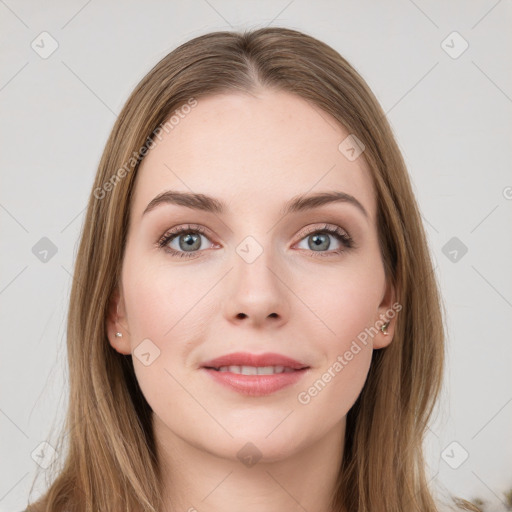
x=255 y=374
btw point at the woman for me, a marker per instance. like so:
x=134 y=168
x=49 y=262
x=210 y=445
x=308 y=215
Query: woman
x=254 y=321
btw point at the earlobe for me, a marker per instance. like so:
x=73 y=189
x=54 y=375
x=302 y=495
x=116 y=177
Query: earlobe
x=384 y=328
x=384 y=334
x=117 y=333
x=119 y=344
x=386 y=322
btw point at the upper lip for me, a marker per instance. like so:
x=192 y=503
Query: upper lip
x=259 y=360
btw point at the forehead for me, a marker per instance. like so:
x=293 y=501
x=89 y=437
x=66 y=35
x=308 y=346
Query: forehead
x=252 y=151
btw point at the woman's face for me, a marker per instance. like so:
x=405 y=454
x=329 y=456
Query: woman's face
x=255 y=279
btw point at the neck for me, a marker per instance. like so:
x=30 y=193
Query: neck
x=195 y=479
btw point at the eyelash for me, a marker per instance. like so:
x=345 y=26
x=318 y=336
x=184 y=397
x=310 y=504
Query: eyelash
x=340 y=234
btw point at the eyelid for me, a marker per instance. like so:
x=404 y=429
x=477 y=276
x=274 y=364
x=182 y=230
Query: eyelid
x=184 y=228
x=324 y=226
x=333 y=230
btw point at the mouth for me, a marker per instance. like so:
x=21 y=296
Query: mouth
x=254 y=370
x=255 y=375
x=242 y=362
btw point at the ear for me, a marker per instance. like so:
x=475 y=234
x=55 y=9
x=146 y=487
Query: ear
x=386 y=314
x=116 y=323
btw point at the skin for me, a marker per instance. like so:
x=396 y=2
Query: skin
x=254 y=152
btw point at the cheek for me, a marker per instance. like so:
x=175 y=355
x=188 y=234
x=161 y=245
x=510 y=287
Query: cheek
x=164 y=317
x=335 y=388
x=347 y=301
x=161 y=304
x=348 y=308
x=159 y=327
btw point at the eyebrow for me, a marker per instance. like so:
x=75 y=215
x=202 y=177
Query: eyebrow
x=210 y=204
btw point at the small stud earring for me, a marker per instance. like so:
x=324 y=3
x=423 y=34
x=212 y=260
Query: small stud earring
x=119 y=335
x=384 y=328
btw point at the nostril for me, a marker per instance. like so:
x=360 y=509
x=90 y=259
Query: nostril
x=241 y=315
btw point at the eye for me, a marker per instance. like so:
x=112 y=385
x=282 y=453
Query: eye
x=187 y=241
x=318 y=240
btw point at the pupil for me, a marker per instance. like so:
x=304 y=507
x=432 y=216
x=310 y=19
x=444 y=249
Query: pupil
x=187 y=241
x=320 y=241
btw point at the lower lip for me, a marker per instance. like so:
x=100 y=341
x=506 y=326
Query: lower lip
x=256 y=385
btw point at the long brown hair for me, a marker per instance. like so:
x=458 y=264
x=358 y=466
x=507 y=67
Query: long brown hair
x=110 y=462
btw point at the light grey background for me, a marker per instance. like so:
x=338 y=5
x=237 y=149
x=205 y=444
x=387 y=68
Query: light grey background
x=451 y=117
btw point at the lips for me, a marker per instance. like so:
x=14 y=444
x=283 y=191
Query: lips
x=254 y=374
x=246 y=359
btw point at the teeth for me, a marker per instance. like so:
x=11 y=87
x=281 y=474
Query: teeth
x=255 y=370
x=269 y=370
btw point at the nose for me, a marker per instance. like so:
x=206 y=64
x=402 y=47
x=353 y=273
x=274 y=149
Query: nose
x=256 y=293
